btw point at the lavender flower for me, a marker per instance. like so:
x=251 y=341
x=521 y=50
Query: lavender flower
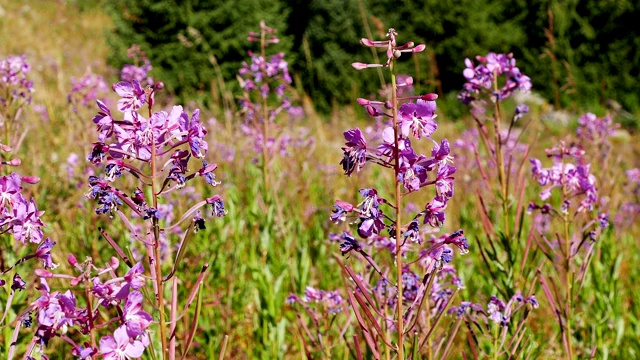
x=480 y=78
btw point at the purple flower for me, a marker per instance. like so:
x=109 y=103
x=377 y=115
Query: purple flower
x=434 y=211
x=349 y=243
x=13 y=76
x=340 y=211
x=417 y=119
x=87 y=89
x=120 y=346
x=9 y=188
x=481 y=78
x=355 y=151
x=135 y=319
x=217 y=205
x=520 y=111
x=411 y=173
x=27 y=225
x=444 y=180
x=132 y=95
x=44 y=253
x=133 y=280
x=18 y=283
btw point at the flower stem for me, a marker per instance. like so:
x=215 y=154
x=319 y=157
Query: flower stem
x=398 y=204
x=500 y=159
x=265 y=118
x=156 y=252
x=569 y=286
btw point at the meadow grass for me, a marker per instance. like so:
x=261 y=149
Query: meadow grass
x=271 y=245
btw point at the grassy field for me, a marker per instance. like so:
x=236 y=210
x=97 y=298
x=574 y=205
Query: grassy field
x=275 y=242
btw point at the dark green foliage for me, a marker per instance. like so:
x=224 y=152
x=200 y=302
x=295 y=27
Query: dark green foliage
x=576 y=52
x=180 y=37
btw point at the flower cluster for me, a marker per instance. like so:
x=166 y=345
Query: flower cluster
x=85 y=91
x=136 y=137
x=265 y=82
x=427 y=273
x=13 y=79
x=139 y=70
x=496 y=310
x=332 y=301
x=119 y=298
x=481 y=78
x=18 y=215
x=595 y=129
x=571 y=177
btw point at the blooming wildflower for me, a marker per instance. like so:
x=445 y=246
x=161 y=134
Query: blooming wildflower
x=355 y=151
x=433 y=213
x=18 y=283
x=137 y=71
x=217 y=205
x=592 y=128
x=44 y=253
x=413 y=232
x=132 y=95
x=340 y=211
x=495 y=310
x=349 y=243
x=87 y=89
x=135 y=319
x=411 y=173
x=417 y=119
x=26 y=224
x=480 y=78
x=13 y=74
x=520 y=111
x=120 y=346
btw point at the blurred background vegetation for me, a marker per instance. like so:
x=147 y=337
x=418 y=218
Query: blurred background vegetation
x=578 y=52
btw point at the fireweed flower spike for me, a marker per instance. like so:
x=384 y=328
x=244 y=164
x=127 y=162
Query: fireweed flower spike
x=156 y=150
x=378 y=217
x=571 y=179
x=265 y=82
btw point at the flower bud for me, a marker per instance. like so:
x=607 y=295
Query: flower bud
x=359 y=66
x=372 y=111
x=30 y=179
x=43 y=273
x=159 y=85
x=4 y=147
x=397 y=54
x=14 y=162
x=72 y=260
x=419 y=48
x=363 y=102
x=429 y=97
x=388 y=105
x=367 y=42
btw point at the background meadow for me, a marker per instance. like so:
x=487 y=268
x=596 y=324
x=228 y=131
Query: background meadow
x=276 y=242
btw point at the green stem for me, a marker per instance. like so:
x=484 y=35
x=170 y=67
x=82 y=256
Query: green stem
x=495 y=341
x=156 y=250
x=398 y=204
x=500 y=159
x=569 y=286
x=265 y=119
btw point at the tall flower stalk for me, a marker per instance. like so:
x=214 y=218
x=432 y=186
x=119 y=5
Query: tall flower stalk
x=492 y=79
x=410 y=296
x=264 y=83
x=573 y=239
